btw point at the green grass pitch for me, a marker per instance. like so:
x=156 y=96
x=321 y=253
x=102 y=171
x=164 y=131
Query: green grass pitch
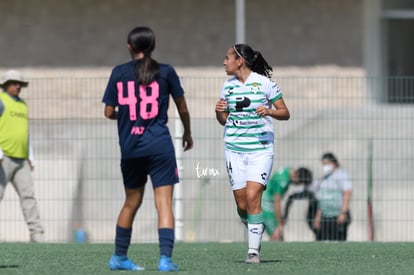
x=214 y=258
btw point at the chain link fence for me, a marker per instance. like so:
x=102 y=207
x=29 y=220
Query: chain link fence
x=79 y=186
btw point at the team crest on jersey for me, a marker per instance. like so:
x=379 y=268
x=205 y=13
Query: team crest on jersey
x=255 y=88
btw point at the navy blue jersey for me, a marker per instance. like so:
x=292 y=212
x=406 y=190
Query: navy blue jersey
x=142 y=109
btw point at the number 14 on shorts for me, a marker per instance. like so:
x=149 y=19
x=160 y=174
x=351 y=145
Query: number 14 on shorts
x=148 y=95
x=229 y=168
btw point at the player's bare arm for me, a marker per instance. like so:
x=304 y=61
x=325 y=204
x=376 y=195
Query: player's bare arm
x=281 y=112
x=278 y=233
x=221 y=111
x=185 y=119
x=278 y=209
x=110 y=112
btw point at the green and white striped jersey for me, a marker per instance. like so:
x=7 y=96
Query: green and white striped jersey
x=245 y=131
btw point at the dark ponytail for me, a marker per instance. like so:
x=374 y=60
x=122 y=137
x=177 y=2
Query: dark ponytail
x=253 y=59
x=142 y=39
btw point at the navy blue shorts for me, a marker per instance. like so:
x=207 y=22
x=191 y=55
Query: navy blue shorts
x=162 y=169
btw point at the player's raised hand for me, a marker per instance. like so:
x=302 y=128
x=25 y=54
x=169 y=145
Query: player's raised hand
x=221 y=105
x=187 y=142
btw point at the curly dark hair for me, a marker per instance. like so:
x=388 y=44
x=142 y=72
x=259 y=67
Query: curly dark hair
x=304 y=176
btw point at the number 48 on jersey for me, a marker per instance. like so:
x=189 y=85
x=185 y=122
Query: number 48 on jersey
x=148 y=99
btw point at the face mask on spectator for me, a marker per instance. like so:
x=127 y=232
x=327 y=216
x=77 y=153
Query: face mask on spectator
x=327 y=169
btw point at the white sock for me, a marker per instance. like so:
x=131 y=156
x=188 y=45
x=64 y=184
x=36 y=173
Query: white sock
x=255 y=234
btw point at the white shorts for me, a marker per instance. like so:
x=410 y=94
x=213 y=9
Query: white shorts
x=243 y=167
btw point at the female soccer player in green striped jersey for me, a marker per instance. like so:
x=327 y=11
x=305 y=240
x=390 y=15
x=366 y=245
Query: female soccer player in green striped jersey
x=249 y=102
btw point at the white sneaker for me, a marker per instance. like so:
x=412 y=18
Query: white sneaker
x=252 y=258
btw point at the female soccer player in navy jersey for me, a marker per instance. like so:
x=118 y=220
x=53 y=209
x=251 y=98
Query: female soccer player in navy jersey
x=137 y=96
x=249 y=102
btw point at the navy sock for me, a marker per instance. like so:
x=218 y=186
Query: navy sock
x=166 y=239
x=122 y=240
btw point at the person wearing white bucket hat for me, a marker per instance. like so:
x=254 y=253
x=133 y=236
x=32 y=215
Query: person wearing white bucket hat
x=16 y=157
x=14 y=76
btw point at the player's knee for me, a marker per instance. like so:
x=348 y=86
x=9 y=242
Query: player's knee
x=253 y=199
x=132 y=205
x=163 y=205
x=163 y=200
